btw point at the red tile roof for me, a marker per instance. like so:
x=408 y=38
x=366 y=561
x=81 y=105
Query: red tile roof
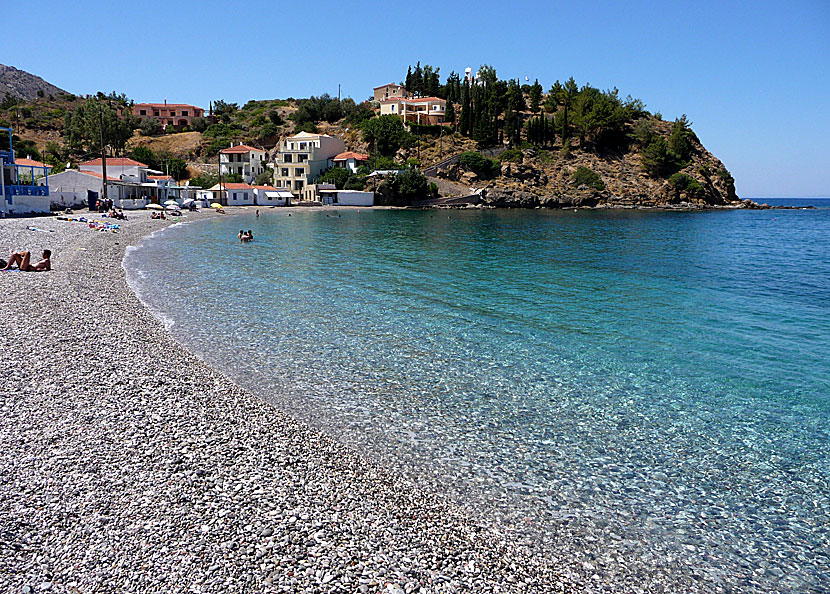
x=267 y=188
x=163 y=105
x=351 y=155
x=416 y=100
x=114 y=162
x=389 y=85
x=30 y=162
x=237 y=186
x=241 y=148
x=99 y=176
x=161 y=177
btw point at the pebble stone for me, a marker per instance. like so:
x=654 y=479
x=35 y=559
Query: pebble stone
x=129 y=465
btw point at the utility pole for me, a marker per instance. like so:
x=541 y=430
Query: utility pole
x=103 y=152
x=219 y=156
x=338 y=92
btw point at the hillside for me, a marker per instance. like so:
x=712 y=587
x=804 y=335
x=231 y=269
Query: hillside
x=548 y=177
x=22 y=85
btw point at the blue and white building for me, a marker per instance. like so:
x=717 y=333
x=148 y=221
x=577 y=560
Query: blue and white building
x=24 y=188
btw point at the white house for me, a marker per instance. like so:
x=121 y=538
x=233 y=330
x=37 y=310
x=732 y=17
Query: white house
x=350 y=160
x=73 y=188
x=121 y=168
x=234 y=194
x=347 y=197
x=420 y=110
x=242 y=159
x=271 y=196
x=302 y=158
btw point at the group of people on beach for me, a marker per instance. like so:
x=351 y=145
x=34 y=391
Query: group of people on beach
x=23 y=260
x=245 y=236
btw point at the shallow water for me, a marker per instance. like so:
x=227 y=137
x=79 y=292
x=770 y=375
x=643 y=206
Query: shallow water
x=643 y=393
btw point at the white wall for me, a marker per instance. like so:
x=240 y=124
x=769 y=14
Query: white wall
x=26 y=205
x=240 y=197
x=355 y=198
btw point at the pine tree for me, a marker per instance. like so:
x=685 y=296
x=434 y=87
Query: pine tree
x=535 y=96
x=449 y=115
x=417 y=79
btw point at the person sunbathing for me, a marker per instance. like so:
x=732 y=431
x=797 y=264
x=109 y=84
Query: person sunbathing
x=23 y=261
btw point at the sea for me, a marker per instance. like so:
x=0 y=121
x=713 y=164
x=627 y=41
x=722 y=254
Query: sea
x=641 y=397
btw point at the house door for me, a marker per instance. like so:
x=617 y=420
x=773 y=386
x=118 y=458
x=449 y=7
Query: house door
x=92 y=200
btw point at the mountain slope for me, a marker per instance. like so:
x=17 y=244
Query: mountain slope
x=22 y=85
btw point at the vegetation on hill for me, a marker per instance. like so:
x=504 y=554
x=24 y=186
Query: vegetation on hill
x=571 y=139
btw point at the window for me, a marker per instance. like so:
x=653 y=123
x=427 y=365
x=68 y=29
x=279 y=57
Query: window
x=302 y=158
x=184 y=113
x=284 y=172
x=156 y=112
x=142 y=112
x=172 y=112
x=299 y=171
x=287 y=159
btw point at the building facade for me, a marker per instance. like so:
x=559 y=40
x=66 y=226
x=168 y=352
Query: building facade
x=242 y=159
x=421 y=110
x=24 y=188
x=177 y=115
x=390 y=91
x=302 y=158
x=350 y=160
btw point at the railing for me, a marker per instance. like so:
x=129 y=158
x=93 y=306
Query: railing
x=18 y=190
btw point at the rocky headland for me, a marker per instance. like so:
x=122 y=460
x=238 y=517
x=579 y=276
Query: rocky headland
x=533 y=177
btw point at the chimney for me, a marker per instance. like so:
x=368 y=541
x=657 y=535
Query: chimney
x=165 y=103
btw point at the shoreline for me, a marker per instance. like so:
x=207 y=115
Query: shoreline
x=128 y=464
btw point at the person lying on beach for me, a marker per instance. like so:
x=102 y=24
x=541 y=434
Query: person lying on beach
x=23 y=261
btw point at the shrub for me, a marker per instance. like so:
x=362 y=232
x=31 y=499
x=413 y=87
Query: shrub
x=337 y=176
x=198 y=124
x=588 y=177
x=149 y=127
x=355 y=183
x=433 y=189
x=512 y=155
x=408 y=185
x=266 y=178
x=682 y=182
x=386 y=133
x=478 y=163
x=426 y=129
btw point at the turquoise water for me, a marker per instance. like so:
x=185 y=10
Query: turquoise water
x=642 y=395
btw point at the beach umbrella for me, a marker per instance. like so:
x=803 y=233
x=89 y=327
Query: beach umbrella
x=171 y=203
x=216 y=205
x=188 y=201
x=154 y=207
x=172 y=207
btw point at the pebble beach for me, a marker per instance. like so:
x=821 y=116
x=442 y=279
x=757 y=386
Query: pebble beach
x=127 y=464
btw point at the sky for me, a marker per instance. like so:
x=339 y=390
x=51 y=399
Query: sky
x=753 y=77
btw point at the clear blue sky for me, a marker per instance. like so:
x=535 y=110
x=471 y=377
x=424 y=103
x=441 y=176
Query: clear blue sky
x=753 y=77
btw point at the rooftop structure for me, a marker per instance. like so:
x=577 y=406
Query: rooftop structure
x=390 y=91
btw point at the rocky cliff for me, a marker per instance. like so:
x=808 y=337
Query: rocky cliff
x=535 y=177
